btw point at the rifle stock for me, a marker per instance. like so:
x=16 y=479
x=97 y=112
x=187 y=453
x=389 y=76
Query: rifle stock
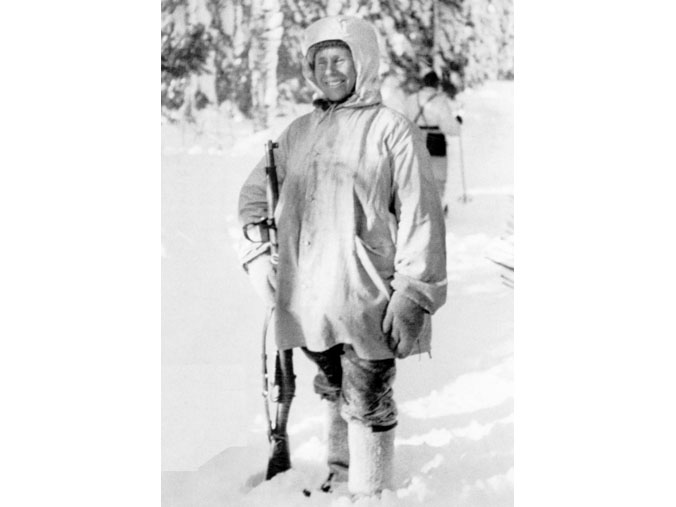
x=280 y=459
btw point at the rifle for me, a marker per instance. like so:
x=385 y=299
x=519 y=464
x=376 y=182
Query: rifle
x=284 y=383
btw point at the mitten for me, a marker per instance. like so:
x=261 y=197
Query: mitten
x=263 y=277
x=404 y=322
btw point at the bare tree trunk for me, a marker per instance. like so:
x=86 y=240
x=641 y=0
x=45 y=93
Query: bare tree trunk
x=266 y=34
x=206 y=81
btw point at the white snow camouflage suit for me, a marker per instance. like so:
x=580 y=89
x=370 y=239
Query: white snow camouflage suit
x=358 y=215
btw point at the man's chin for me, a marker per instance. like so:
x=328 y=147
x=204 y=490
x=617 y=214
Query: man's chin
x=336 y=97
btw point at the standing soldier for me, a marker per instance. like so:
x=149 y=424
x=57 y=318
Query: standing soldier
x=361 y=257
x=432 y=110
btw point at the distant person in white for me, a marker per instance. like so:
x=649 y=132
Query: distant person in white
x=434 y=112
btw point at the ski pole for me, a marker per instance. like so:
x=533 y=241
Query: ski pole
x=464 y=197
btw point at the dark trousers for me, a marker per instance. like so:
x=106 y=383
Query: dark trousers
x=363 y=386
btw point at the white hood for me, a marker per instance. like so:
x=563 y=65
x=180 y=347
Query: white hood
x=361 y=38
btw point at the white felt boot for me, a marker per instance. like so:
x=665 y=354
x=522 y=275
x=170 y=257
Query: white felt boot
x=371 y=460
x=338 y=457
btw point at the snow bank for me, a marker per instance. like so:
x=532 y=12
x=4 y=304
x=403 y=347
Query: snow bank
x=454 y=442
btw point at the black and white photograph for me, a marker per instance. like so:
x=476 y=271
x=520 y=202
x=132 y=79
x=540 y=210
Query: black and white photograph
x=337 y=253
x=296 y=285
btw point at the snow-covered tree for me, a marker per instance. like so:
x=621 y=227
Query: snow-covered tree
x=247 y=52
x=266 y=37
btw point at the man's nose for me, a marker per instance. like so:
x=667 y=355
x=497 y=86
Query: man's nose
x=331 y=68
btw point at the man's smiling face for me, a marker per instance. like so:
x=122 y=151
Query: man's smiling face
x=335 y=72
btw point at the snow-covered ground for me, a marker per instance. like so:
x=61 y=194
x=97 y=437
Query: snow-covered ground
x=455 y=437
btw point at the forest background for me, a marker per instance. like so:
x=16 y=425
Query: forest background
x=242 y=57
